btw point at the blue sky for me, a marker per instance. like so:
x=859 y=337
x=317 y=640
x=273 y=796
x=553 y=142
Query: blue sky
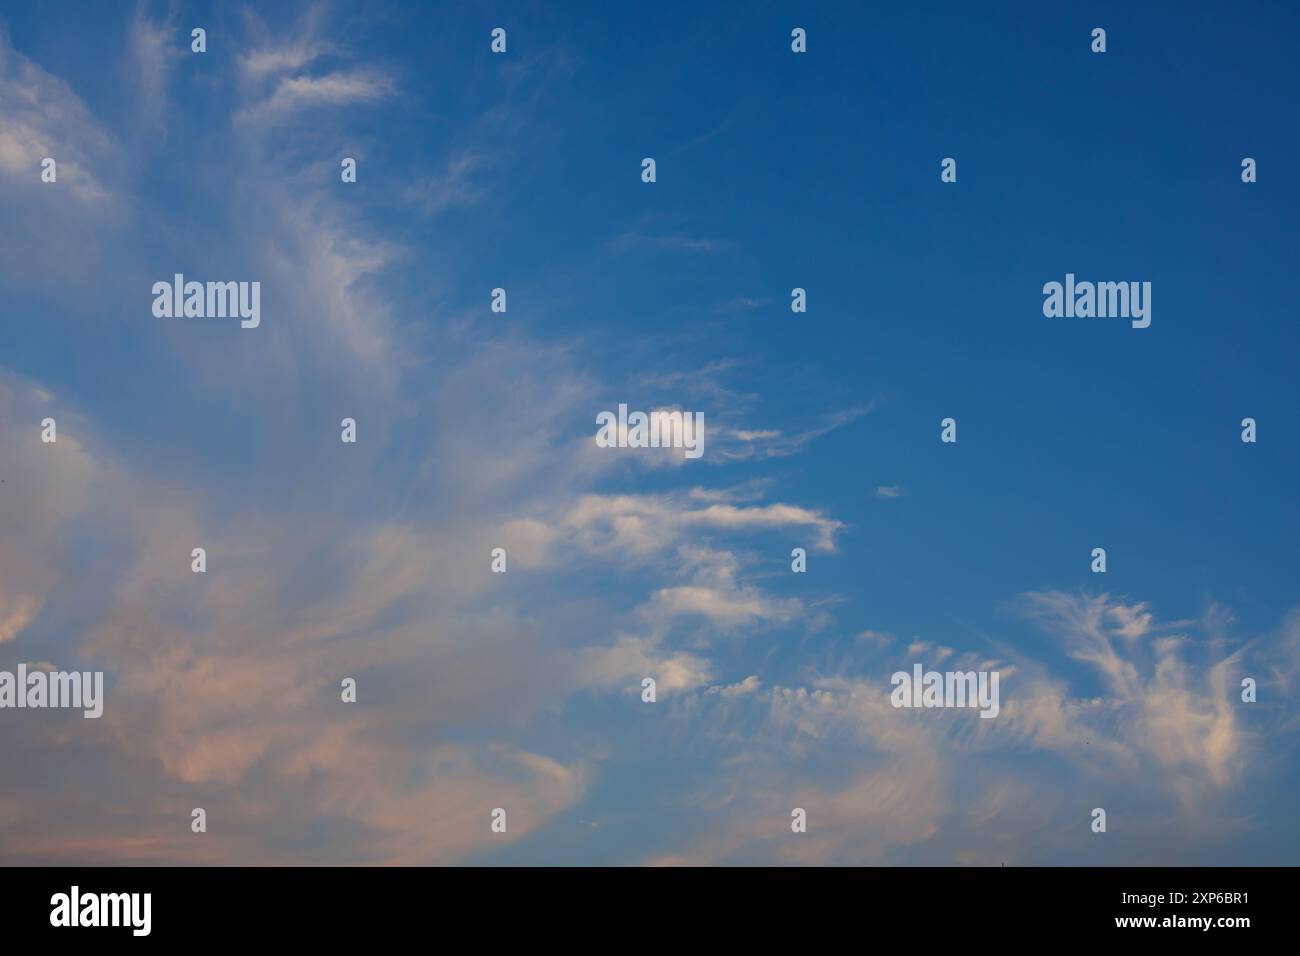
x=774 y=170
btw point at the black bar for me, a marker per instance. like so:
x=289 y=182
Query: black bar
x=647 y=909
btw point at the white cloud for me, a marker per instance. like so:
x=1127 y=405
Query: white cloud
x=153 y=48
x=744 y=688
x=455 y=186
x=644 y=524
x=268 y=61
x=297 y=94
x=40 y=116
x=622 y=665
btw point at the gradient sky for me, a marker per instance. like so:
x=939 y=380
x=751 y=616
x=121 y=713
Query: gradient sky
x=522 y=690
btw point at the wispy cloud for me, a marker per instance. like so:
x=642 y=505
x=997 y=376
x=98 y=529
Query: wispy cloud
x=683 y=243
x=948 y=789
x=40 y=116
x=153 y=49
x=742 y=304
x=300 y=93
x=455 y=186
